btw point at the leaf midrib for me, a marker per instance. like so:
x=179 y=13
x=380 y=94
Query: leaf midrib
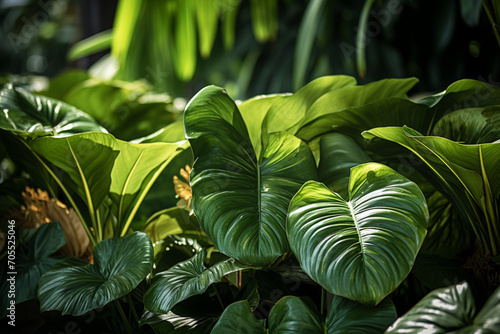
x=86 y=188
x=125 y=186
x=356 y=225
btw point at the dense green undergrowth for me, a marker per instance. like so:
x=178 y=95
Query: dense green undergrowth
x=339 y=208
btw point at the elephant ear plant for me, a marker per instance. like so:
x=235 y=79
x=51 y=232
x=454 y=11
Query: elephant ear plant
x=259 y=208
x=342 y=208
x=297 y=187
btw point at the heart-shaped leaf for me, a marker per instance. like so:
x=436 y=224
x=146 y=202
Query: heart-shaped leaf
x=186 y=279
x=451 y=309
x=241 y=201
x=120 y=264
x=361 y=247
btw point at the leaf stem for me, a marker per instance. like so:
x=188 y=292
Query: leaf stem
x=218 y=297
x=492 y=21
x=134 y=313
x=122 y=314
x=323 y=293
x=361 y=38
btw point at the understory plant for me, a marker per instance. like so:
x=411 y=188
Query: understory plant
x=339 y=208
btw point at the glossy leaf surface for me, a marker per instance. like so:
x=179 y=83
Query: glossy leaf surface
x=363 y=246
x=241 y=201
x=32 y=115
x=184 y=280
x=451 y=310
x=119 y=266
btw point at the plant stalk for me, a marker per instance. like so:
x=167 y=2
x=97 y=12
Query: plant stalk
x=134 y=313
x=218 y=297
x=492 y=21
x=323 y=297
x=122 y=314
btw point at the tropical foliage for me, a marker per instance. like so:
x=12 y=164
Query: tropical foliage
x=340 y=208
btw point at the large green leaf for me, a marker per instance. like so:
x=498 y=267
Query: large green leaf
x=120 y=264
x=287 y=113
x=241 y=202
x=338 y=154
x=353 y=109
x=448 y=310
x=31 y=115
x=467 y=174
x=470 y=126
x=64 y=83
x=31 y=263
x=100 y=165
x=86 y=160
x=462 y=94
x=292 y=316
x=363 y=246
x=100 y=98
x=186 y=279
x=254 y=111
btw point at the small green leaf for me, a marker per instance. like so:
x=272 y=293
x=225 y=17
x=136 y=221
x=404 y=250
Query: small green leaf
x=238 y=318
x=292 y=315
x=93 y=44
x=119 y=266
